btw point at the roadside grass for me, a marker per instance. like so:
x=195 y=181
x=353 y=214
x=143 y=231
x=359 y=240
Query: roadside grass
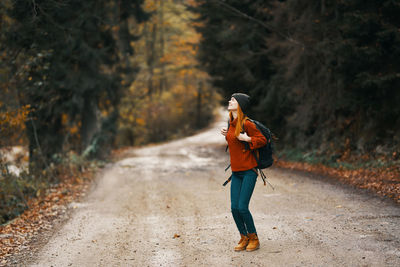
x=354 y=162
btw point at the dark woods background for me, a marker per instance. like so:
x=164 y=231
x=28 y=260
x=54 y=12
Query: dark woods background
x=323 y=74
x=64 y=61
x=61 y=63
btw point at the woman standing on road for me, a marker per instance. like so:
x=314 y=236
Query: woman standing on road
x=243 y=163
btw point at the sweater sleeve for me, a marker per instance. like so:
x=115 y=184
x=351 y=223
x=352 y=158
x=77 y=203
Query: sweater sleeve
x=257 y=138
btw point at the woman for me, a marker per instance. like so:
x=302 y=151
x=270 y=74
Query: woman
x=243 y=163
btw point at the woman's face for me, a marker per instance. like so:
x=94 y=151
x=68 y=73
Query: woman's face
x=233 y=104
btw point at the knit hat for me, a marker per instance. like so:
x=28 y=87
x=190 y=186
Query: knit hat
x=243 y=101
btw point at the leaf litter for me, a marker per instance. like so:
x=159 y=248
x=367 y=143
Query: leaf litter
x=43 y=210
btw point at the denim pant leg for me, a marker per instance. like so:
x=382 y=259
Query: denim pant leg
x=236 y=186
x=248 y=184
x=242 y=187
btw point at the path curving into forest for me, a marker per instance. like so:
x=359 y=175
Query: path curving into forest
x=164 y=205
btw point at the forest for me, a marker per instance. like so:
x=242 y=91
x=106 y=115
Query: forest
x=323 y=74
x=81 y=78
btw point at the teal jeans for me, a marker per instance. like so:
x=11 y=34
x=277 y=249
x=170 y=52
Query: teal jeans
x=242 y=187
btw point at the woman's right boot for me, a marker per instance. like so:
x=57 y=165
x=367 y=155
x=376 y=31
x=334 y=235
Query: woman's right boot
x=244 y=240
x=253 y=242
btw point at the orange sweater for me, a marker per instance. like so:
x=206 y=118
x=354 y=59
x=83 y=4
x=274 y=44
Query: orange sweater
x=241 y=159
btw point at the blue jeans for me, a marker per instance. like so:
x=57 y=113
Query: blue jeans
x=242 y=187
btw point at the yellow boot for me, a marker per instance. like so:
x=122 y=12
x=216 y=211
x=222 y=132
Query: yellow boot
x=253 y=242
x=244 y=240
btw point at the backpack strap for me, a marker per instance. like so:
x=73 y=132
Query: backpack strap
x=265 y=179
x=227 y=181
x=228 y=167
x=226 y=149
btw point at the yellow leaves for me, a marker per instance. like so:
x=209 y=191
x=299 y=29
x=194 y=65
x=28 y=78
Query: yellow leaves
x=167 y=24
x=140 y=122
x=180 y=42
x=150 y=6
x=192 y=3
x=131 y=118
x=163 y=94
x=197 y=24
x=165 y=58
x=104 y=113
x=115 y=28
x=74 y=130
x=15 y=119
x=64 y=119
x=186 y=72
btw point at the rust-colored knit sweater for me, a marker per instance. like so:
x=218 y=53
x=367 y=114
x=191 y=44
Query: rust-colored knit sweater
x=241 y=159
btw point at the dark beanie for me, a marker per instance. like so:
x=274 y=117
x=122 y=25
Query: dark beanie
x=243 y=100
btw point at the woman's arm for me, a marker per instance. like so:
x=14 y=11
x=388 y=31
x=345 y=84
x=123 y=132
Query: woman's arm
x=253 y=136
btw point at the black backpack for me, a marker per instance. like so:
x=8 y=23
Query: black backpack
x=263 y=154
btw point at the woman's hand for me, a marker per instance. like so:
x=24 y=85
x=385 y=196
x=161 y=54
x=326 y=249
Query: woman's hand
x=244 y=137
x=224 y=131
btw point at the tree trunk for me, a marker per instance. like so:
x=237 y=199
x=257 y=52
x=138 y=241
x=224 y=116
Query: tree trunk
x=89 y=122
x=150 y=55
x=163 y=78
x=124 y=37
x=198 y=108
x=45 y=139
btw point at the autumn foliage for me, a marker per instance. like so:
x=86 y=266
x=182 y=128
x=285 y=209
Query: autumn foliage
x=49 y=204
x=118 y=74
x=171 y=96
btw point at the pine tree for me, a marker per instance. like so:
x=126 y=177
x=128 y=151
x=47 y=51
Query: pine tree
x=234 y=47
x=369 y=65
x=325 y=72
x=68 y=69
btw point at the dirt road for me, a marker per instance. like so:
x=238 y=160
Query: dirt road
x=164 y=205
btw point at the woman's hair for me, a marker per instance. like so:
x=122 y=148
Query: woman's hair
x=240 y=120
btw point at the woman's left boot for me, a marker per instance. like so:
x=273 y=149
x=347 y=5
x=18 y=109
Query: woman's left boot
x=244 y=240
x=253 y=242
